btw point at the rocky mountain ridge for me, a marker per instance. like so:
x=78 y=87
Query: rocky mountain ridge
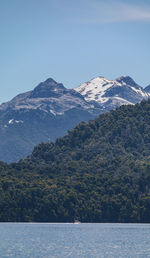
x=51 y=97
x=50 y=110
x=41 y=115
x=113 y=93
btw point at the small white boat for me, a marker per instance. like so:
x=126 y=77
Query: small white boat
x=76 y=222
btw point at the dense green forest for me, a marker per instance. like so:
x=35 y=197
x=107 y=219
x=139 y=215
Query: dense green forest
x=98 y=172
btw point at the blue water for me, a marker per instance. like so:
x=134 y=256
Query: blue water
x=74 y=240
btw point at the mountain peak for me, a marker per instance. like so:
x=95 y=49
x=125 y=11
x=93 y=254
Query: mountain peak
x=127 y=80
x=147 y=88
x=48 y=88
x=112 y=93
x=50 y=80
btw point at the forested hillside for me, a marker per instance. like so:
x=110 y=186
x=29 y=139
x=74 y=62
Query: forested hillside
x=99 y=172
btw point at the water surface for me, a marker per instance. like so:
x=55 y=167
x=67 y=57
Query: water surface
x=74 y=240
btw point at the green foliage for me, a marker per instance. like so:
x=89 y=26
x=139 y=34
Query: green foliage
x=99 y=172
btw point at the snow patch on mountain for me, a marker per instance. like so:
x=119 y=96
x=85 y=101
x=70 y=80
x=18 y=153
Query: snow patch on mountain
x=13 y=121
x=140 y=91
x=112 y=93
x=95 y=89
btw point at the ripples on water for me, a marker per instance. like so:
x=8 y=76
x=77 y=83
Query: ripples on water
x=74 y=240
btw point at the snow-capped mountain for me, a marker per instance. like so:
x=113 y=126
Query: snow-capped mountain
x=50 y=110
x=51 y=97
x=112 y=93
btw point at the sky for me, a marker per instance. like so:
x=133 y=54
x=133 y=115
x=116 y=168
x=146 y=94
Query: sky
x=72 y=42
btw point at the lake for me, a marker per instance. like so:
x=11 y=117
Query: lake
x=74 y=240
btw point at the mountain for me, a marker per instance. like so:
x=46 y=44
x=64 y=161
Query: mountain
x=98 y=172
x=50 y=110
x=50 y=97
x=113 y=93
x=41 y=115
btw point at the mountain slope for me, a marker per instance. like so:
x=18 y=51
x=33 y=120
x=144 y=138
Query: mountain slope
x=41 y=115
x=50 y=110
x=113 y=93
x=147 y=89
x=99 y=172
x=49 y=96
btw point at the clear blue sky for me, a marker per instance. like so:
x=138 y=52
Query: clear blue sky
x=72 y=41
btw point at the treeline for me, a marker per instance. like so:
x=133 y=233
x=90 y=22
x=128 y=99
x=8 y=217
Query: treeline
x=99 y=172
